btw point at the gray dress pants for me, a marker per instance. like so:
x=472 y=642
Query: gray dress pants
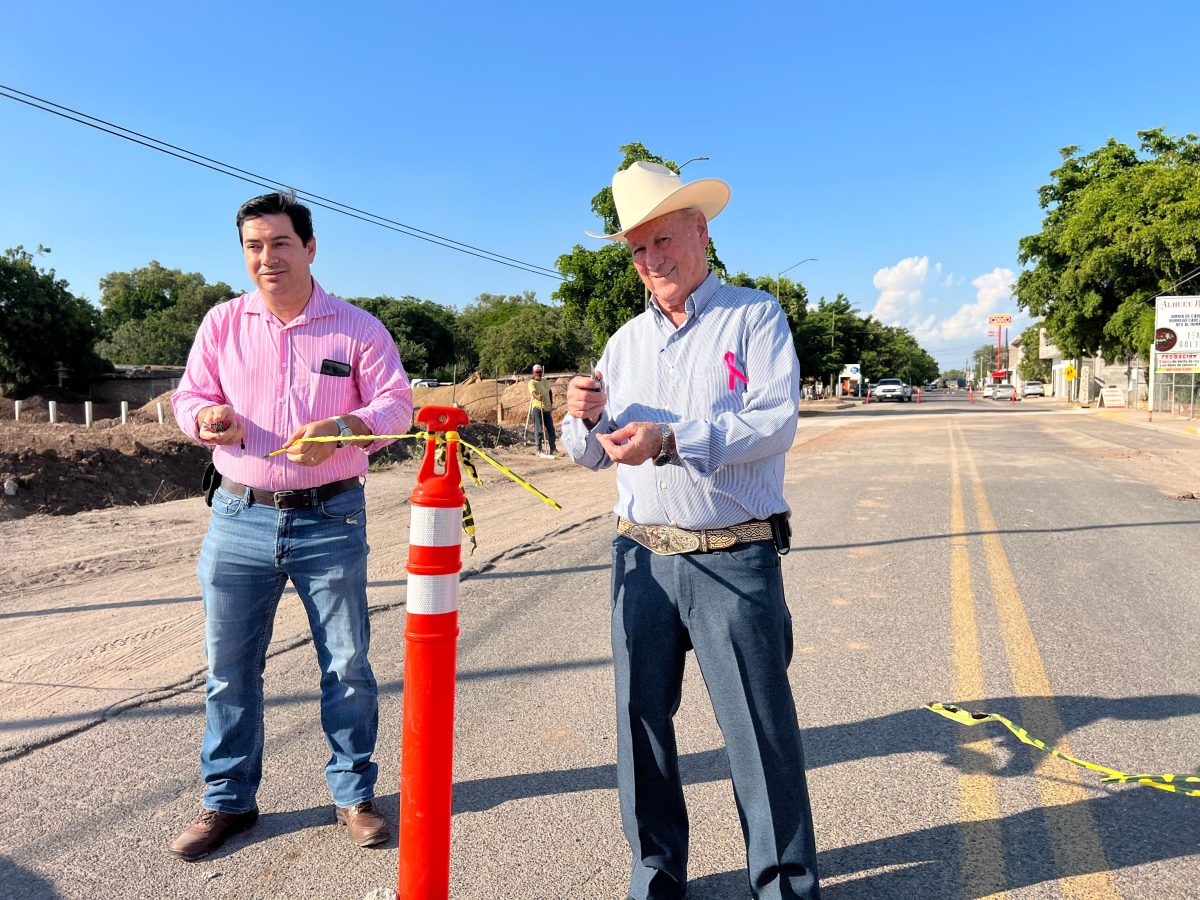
x=728 y=606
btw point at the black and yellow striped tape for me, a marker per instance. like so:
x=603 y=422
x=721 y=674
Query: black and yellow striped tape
x=1165 y=782
x=465 y=457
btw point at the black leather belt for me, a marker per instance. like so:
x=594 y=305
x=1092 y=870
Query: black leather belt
x=299 y=499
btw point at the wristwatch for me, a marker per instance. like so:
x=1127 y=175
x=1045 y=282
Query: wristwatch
x=667 y=450
x=344 y=430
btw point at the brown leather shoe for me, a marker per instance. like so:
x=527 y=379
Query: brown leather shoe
x=210 y=830
x=366 y=825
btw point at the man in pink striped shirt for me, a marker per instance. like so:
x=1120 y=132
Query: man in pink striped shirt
x=284 y=362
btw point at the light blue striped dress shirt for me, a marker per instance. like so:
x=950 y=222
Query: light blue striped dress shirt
x=730 y=442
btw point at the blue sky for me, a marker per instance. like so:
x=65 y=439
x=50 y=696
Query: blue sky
x=901 y=145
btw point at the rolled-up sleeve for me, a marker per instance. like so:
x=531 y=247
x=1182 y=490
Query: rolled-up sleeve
x=383 y=385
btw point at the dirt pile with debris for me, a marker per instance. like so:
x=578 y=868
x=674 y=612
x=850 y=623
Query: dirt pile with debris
x=65 y=468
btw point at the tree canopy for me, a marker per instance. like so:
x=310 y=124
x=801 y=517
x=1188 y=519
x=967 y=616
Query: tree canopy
x=1120 y=228
x=150 y=315
x=43 y=326
x=1032 y=367
x=425 y=332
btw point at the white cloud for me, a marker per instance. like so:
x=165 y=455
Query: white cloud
x=904 y=299
x=901 y=288
x=993 y=294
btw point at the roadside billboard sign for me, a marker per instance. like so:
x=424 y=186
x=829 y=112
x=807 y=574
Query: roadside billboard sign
x=1177 y=334
x=1000 y=319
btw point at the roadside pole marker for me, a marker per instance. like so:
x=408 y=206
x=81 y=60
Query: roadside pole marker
x=430 y=649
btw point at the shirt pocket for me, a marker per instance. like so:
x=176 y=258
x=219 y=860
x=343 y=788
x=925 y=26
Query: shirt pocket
x=332 y=395
x=710 y=394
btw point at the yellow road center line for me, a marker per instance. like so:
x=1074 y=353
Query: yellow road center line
x=982 y=849
x=1069 y=820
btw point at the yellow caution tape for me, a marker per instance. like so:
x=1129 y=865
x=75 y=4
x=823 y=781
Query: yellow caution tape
x=512 y=475
x=468 y=522
x=1165 y=782
x=465 y=457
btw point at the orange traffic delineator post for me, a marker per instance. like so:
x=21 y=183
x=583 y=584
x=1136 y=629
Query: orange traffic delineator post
x=430 y=647
x=868 y=395
x=971 y=394
x=918 y=395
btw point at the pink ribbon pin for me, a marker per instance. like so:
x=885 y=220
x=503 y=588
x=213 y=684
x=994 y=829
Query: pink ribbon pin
x=734 y=374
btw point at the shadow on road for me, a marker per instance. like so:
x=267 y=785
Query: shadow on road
x=911 y=731
x=21 y=884
x=1137 y=826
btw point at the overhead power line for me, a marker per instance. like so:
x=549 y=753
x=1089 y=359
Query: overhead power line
x=264 y=181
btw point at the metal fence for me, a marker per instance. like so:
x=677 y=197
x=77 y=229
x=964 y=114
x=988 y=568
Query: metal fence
x=1177 y=393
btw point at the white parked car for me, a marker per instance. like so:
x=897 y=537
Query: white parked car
x=1004 y=391
x=891 y=389
x=1033 y=389
x=988 y=390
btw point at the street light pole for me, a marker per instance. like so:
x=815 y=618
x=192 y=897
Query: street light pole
x=779 y=275
x=692 y=160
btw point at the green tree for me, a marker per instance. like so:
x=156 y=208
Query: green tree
x=983 y=360
x=42 y=326
x=1119 y=229
x=1032 y=367
x=891 y=351
x=535 y=334
x=601 y=289
x=830 y=337
x=484 y=312
x=151 y=314
x=425 y=332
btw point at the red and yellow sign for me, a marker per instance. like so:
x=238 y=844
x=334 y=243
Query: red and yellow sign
x=1000 y=319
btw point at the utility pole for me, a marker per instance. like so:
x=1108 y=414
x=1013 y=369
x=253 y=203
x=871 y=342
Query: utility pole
x=832 y=334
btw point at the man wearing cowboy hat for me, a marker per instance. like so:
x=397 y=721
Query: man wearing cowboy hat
x=695 y=401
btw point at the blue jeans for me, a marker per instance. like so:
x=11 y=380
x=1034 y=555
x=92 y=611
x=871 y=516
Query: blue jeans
x=250 y=552
x=543 y=421
x=728 y=606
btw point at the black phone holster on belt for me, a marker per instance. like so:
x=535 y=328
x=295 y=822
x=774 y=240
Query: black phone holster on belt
x=209 y=482
x=781 y=532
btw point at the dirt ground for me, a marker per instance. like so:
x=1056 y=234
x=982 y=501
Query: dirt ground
x=65 y=468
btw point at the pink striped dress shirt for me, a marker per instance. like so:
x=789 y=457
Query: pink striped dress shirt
x=270 y=373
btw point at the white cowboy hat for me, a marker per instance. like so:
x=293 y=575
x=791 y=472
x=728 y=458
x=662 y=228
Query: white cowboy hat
x=647 y=190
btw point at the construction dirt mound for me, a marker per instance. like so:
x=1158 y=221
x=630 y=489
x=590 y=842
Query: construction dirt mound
x=486 y=400
x=65 y=468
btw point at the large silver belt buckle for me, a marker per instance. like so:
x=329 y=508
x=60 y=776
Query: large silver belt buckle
x=667 y=541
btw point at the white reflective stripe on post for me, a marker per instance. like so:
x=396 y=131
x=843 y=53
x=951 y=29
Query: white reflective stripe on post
x=432 y=595
x=160 y=413
x=17 y=410
x=52 y=407
x=87 y=413
x=435 y=526
x=124 y=411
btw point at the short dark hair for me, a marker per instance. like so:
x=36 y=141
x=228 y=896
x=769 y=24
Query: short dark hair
x=273 y=204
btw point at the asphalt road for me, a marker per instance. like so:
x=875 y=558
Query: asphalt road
x=1011 y=558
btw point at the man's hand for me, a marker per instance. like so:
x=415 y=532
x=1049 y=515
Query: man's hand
x=220 y=425
x=632 y=444
x=586 y=399
x=316 y=452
